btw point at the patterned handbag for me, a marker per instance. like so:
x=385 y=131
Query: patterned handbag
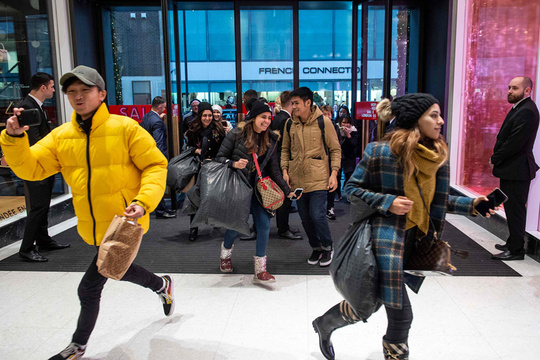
x=270 y=194
x=433 y=257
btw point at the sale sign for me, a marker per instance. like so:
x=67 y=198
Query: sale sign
x=365 y=110
x=136 y=112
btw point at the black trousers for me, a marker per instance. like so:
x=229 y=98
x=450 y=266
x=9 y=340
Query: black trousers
x=90 y=290
x=399 y=321
x=38 y=200
x=516 y=212
x=282 y=216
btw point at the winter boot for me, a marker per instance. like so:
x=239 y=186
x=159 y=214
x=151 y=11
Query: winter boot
x=261 y=275
x=226 y=262
x=399 y=351
x=333 y=319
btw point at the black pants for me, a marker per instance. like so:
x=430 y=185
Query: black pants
x=90 y=290
x=38 y=200
x=162 y=207
x=282 y=216
x=399 y=321
x=516 y=213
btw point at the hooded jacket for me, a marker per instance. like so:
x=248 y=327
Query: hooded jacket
x=303 y=155
x=116 y=164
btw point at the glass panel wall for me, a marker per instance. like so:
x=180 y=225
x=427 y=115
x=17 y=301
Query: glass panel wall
x=207 y=54
x=133 y=45
x=325 y=51
x=25 y=49
x=492 y=58
x=267 y=50
x=405 y=49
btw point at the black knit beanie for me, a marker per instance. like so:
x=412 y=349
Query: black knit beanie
x=204 y=106
x=257 y=108
x=410 y=107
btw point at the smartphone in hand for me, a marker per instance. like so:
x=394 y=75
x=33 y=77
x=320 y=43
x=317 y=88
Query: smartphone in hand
x=298 y=192
x=495 y=198
x=29 y=117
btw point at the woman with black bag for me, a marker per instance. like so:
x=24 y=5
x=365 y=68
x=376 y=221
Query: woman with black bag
x=400 y=177
x=205 y=134
x=253 y=137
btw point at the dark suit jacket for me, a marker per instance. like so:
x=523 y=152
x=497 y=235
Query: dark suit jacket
x=512 y=157
x=36 y=133
x=156 y=127
x=278 y=124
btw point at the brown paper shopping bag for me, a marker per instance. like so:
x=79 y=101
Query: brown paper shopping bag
x=119 y=247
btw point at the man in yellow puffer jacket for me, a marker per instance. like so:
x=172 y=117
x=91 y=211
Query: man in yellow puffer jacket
x=113 y=168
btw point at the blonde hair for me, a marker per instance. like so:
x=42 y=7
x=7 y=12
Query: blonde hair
x=403 y=144
x=277 y=105
x=384 y=114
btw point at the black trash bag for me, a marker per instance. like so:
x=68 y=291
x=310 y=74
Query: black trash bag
x=182 y=168
x=225 y=198
x=193 y=199
x=354 y=269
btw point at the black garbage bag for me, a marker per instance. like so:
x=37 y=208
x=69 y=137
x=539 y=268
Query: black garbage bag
x=182 y=168
x=225 y=198
x=193 y=198
x=354 y=269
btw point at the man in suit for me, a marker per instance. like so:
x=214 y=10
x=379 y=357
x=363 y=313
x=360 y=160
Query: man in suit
x=153 y=123
x=38 y=193
x=513 y=163
x=282 y=214
x=190 y=116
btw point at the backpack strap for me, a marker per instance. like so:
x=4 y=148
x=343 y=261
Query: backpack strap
x=289 y=123
x=320 y=119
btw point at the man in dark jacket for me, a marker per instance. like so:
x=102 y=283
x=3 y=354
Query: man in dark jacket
x=190 y=116
x=38 y=193
x=153 y=123
x=513 y=163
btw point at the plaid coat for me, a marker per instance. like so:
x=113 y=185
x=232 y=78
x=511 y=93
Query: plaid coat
x=378 y=180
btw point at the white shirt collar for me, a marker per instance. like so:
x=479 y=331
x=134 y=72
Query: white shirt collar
x=39 y=102
x=516 y=104
x=155 y=112
x=286 y=112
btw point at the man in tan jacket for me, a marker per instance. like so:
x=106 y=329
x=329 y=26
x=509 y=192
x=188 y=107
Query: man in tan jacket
x=310 y=159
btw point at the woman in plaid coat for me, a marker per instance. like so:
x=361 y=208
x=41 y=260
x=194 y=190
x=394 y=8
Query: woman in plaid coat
x=388 y=179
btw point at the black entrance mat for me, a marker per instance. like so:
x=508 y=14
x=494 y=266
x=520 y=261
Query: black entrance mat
x=166 y=249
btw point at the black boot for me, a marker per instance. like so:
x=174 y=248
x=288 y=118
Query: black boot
x=398 y=351
x=193 y=232
x=325 y=325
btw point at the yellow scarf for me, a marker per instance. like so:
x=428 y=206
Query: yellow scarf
x=428 y=162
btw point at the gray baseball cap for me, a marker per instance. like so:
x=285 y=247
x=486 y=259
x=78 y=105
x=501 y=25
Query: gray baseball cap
x=86 y=74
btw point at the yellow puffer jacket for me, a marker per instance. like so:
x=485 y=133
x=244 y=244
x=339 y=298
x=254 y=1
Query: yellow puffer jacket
x=106 y=170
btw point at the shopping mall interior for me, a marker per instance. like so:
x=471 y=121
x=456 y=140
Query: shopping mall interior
x=351 y=54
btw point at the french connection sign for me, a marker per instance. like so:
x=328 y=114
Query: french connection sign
x=268 y=70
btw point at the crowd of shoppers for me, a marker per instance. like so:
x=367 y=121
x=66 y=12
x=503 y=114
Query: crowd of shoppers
x=404 y=178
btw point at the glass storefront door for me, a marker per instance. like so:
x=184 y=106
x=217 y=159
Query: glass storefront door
x=267 y=49
x=25 y=49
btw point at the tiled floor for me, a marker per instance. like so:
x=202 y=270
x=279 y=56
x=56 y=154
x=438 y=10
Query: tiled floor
x=226 y=317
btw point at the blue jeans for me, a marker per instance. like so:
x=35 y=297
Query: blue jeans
x=312 y=211
x=261 y=218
